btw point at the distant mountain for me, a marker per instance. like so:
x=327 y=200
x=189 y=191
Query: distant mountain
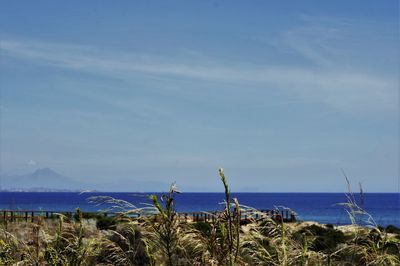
x=48 y=180
x=43 y=179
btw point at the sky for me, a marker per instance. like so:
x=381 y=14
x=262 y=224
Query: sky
x=139 y=94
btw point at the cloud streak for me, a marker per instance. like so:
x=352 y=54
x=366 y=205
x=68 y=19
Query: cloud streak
x=343 y=90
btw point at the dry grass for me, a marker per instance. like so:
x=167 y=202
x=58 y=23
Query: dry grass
x=164 y=239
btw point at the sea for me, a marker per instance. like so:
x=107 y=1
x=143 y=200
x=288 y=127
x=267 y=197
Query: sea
x=327 y=208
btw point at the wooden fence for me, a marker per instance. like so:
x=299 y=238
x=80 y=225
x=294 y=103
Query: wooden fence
x=25 y=215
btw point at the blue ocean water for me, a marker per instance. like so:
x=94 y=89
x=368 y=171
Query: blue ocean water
x=321 y=207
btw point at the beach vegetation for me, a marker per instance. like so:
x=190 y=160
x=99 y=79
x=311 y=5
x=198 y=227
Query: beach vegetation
x=157 y=235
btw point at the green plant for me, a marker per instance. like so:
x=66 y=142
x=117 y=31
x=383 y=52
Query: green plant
x=10 y=249
x=165 y=226
x=104 y=223
x=392 y=229
x=124 y=246
x=323 y=238
x=232 y=222
x=70 y=245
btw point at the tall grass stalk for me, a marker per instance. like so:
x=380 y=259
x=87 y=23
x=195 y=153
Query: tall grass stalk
x=165 y=225
x=232 y=222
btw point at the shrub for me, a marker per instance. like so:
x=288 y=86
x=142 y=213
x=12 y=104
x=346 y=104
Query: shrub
x=326 y=238
x=104 y=223
x=124 y=246
x=203 y=227
x=392 y=229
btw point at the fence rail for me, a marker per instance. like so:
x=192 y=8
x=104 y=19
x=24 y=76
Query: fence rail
x=29 y=215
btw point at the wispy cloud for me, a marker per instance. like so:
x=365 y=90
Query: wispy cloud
x=312 y=42
x=340 y=42
x=345 y=90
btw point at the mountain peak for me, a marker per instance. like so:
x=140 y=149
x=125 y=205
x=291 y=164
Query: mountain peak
x=43 y=178
x=47 y=172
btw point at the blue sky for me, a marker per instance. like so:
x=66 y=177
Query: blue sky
x=136 y=95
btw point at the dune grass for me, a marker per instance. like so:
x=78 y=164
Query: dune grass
x=164 y=239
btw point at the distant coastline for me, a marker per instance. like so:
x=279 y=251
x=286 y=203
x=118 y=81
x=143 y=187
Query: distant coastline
x=39 y=189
